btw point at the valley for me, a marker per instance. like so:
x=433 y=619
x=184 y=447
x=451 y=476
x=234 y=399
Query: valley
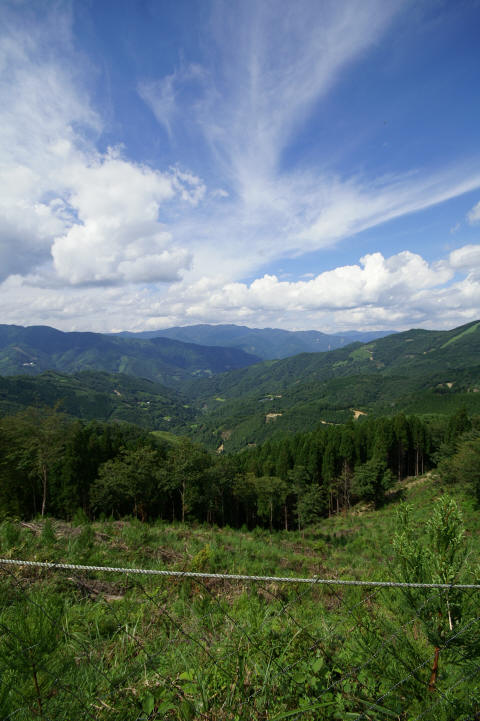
x=204 y=392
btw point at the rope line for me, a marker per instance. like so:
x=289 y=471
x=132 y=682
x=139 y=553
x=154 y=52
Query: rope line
x=237 y=577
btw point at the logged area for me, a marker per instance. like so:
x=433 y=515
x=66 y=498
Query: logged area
x=122 y=645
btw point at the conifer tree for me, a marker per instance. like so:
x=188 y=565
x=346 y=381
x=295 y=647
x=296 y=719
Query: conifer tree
x=440 y=557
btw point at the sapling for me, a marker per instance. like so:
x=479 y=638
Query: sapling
x=439 y=557
x=31 y=634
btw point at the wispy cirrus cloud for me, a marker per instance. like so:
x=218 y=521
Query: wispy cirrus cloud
x=167 y=96
x=267 y=71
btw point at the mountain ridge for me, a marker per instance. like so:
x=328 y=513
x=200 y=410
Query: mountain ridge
x=267 y=343
x=34 y=349
x=422 y=371
x=96 y=395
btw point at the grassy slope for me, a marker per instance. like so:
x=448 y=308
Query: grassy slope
x=216 y=649
x=356 y=544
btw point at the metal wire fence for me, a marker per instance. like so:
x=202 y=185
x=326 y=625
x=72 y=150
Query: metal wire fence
x=90 y=642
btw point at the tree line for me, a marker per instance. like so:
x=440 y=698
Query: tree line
x=52 y=464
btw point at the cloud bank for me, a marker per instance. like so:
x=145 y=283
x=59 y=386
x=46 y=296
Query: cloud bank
x=395 y=292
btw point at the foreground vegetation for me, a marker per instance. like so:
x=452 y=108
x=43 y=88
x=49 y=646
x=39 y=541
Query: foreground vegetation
x=103 y=646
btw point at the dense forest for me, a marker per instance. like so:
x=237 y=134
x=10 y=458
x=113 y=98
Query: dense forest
x=52 y=464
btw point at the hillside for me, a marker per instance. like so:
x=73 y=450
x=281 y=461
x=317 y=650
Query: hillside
x=411 y=353
x=416 y=372
x=95 y=395
x=267 y=343
x=35 y=349
x=299 y=647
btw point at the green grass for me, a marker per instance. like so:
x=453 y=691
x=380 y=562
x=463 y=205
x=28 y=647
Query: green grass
x=360 y=354
x=106 y=646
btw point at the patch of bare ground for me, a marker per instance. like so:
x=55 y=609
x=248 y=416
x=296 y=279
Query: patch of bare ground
x=167 y=555
x=272 y=592
x=272 y=417
x=332 y=599
x=357 y=413
x=63 y=529
x=303 y=550
x=89 y=588
x=361 y=508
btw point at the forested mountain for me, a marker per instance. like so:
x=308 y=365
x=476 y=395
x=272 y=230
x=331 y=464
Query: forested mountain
x=267 y=343
x=303 y=454
x=417 y=372
x=412 y=353
x=95 y=395
x=38 y=348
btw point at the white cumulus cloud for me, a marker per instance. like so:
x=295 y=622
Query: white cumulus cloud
x=96 y=216
x=467 y=259
x=118 y=236
x=83 y=229
x=374 y=281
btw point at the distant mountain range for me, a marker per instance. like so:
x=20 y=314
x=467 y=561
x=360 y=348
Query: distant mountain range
x=226 y=398
x=35 y=349
x=266 y=343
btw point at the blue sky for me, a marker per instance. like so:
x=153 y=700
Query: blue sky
x=297 y=165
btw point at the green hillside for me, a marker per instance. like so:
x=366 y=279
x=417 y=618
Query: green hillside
x=162 y=648
x=416 y=372
x=35 y=349
x=94 y=395
x=412 y=353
